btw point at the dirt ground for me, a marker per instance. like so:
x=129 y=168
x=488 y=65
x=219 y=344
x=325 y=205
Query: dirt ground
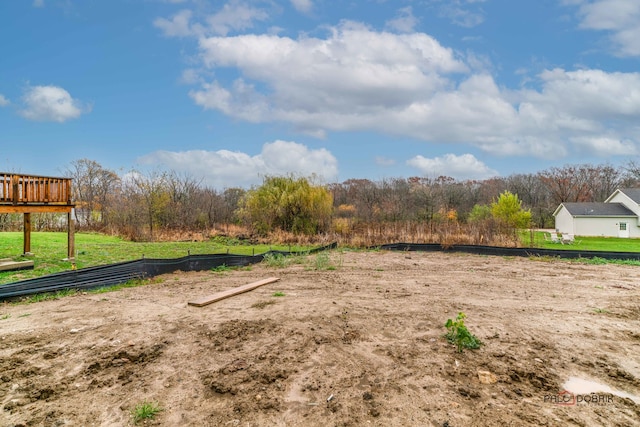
x=356 y=346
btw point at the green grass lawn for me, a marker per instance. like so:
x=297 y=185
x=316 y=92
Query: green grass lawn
x=606 y=244
x=50 y=249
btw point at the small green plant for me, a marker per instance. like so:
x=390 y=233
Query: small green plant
x=298 y=259
x=600 y=310
x=145 y=411
x=459 y=335
x=5 y=316
x=278 y=294
x=324 y=262
x=276 y=260
x=221 y=268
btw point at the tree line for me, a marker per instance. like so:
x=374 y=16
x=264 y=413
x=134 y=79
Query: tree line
x=146 y=206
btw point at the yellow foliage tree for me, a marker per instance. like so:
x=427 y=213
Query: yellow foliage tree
x=287 y=203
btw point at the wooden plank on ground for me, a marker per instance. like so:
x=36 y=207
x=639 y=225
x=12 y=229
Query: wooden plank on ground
x=10 y=265
x=231 y=292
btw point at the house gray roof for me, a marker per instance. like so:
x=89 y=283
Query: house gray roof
x=599 y=209
x=632 y=193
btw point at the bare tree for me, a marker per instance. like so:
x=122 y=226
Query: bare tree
x=630 y=174
x=567 y=184
x=602 y=180
x=92 y=187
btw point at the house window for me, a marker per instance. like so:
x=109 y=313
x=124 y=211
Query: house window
x=623 y=226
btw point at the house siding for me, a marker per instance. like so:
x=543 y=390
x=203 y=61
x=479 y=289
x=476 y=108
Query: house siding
x=594 y=226
x=564 y=221
x=633 y=224
x=607 y=227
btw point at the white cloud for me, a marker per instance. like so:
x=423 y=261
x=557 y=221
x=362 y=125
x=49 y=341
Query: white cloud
x=304 y=6
x=463 y=12
x=462 y=167
x=603 y=146
x=235 y=15
x=545 y=146
x=618 y=17
x=359 y=79
x=405 y=22
x=191 y=76
x=4 y=101
x=224 y=168
x=591 y=94
x=177 y=26
x=50 y=103
x=341 y=83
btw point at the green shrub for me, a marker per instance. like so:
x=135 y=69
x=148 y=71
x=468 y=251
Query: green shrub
x=508 y=210
x=275 y=260
x=145 y=411
x=459 y=335
x=288 y=204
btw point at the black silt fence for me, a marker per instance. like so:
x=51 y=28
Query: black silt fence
x=116 y=274
x=501 y=251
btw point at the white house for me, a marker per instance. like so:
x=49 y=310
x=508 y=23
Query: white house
x=618 y=216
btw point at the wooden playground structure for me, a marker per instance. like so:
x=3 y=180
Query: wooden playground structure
x=27 y=194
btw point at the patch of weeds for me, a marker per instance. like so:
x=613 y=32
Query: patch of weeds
x=145 y=411
x=278 y=294
x=544 y=258
x=275 y=260
x=600 y=310
x=600 y=261
x=594 y=261
x=299 y=259
x=134 y=283
x=324 y=262
x=49 y=296
x=25 y=315
x=5 y=316
x=221 y=269
x=262 y=304
x=459 y=335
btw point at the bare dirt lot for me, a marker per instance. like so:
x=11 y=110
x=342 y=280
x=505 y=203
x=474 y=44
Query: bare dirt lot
x=359 y=345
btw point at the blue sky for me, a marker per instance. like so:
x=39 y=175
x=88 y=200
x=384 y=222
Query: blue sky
x=231 y=91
